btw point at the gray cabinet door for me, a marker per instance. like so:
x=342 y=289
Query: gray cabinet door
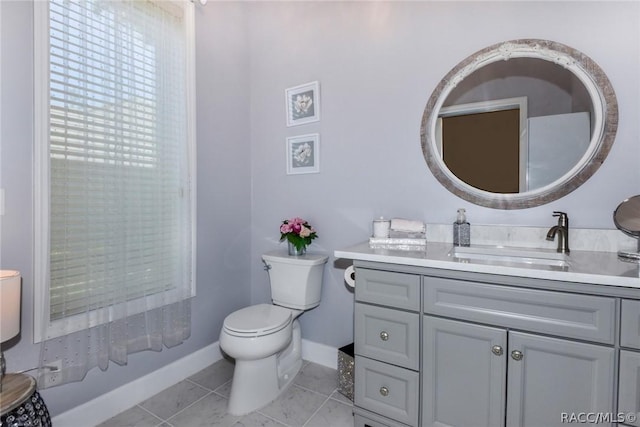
x=464 y=370
x=630 y=324
x=629 y=386
x=555 y=378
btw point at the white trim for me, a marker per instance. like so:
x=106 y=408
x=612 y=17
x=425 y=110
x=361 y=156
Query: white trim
x=190 y=28
x=321 y=354
x=124 y=397
x=41 y=170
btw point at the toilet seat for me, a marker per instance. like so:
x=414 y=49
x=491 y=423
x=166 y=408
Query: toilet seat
x=257 y=320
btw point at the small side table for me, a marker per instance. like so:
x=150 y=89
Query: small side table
x=20 y=403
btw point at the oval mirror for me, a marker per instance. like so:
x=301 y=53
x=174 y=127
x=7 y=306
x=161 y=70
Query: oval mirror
x=627 y=218
x=519 y=124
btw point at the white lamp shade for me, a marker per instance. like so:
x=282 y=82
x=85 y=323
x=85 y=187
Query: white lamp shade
x=9 y=304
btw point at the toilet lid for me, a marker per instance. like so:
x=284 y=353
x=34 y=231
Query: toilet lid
x=258 y=319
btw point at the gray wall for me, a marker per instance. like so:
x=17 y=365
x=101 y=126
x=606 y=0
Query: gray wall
x=224 y=202
x=377 y=64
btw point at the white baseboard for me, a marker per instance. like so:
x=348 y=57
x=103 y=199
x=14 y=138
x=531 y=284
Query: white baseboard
x=119 y=400
x=321 y=354
x=112 y=403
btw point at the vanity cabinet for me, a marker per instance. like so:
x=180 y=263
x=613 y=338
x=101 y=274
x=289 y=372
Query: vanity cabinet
x=629 y=379
x=466 y=350
x=387 y=348
x=510 y=366
x=472 y=373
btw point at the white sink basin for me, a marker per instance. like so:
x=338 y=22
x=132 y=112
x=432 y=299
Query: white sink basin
x=501 y=254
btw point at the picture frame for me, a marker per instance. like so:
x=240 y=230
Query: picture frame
x=303 y=104
x=303 y=154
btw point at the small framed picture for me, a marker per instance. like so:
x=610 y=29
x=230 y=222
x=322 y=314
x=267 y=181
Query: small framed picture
x=303 y=104
x=303 y=154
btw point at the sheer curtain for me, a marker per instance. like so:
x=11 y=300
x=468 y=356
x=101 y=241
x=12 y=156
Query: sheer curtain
x=115 y=205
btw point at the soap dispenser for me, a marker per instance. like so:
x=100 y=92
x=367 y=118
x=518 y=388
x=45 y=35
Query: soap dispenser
x=461 y=230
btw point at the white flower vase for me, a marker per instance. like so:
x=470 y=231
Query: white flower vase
x=293 y=251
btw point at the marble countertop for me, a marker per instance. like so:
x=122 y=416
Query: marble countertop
x=600 y=268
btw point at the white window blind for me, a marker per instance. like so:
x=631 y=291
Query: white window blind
x=120 y=191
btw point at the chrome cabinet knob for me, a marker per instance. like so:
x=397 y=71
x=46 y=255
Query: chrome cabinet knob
x=384 y=335
x=517 y=355
x=497 y=350
x=384 y=391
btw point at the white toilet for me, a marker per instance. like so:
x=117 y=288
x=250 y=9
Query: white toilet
x=264 y=339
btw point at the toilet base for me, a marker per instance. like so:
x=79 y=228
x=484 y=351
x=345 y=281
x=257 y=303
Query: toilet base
x=257 y=383
x=247 y=394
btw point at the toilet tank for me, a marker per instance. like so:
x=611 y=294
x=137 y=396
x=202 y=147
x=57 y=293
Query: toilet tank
x=296 y=281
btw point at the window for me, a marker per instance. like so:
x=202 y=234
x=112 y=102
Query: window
x=114 y=160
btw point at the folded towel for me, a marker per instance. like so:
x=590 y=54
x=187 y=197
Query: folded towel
x=407 y=225
x=407 y=244
x=397 y=241
x=406 y=235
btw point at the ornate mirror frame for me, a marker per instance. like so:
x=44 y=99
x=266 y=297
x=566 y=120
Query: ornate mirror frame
x=604 y=120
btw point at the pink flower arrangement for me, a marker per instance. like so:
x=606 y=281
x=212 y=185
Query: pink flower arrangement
x=297 y=231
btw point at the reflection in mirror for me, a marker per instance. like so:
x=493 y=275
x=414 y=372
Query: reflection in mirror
x=627 y=218
x=519 y=124
x=487 y=136
x=526 y=121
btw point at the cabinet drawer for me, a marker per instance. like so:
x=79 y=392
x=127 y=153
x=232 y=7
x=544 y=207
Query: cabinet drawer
x=555 y=313
x=388 y=335
x=630 y=324
x=386 y=288
x=364 y=418
x=387 y=390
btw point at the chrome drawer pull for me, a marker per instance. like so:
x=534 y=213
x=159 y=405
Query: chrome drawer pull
x=517 y=355
x=497 y=350
x=384 y=335
x=384 y=391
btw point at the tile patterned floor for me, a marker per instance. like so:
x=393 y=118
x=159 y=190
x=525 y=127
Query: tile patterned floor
x=201 y=400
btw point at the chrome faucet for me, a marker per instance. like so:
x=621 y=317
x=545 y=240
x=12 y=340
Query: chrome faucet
x=562 y=229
